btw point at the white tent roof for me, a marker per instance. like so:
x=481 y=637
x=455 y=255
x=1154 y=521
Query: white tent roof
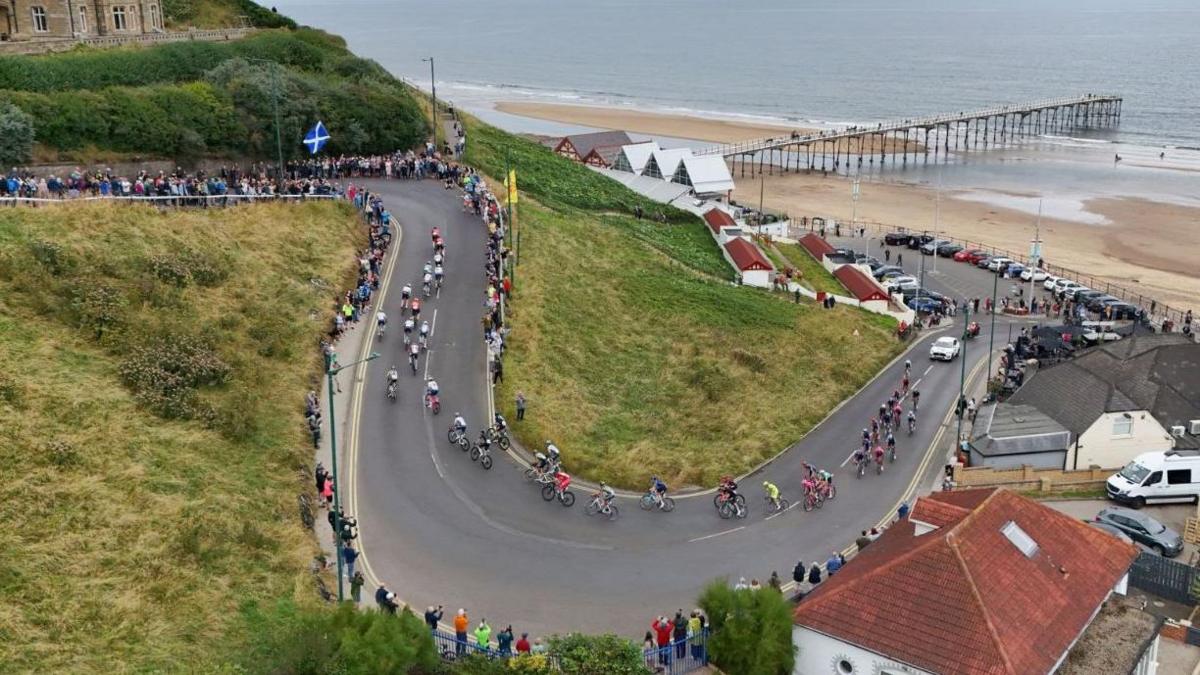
x=667 y=160
x=708 y=174
x=636 y=155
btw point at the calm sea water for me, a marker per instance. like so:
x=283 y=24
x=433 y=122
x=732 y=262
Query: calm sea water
x=816 y=63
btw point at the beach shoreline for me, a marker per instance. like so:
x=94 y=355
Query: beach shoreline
x=1137 y=242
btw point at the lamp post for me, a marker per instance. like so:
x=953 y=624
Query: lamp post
x=275 y=103
x=433 y=95
x=331 y=370
x=962 y=378
x=992 y=330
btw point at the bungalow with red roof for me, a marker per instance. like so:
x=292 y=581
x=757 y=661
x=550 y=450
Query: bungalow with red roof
x=816 y=246
x=751 y=264
x=971 y=582
x=722 y=225
x=862 y=287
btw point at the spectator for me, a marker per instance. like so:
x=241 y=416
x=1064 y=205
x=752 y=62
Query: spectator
x=814 y=575
x=774 y=581
x=504 y=640
x=432 y=616
x=862 y=541
x=662 y=630
x=520 y=405
x=798 y=572
x=523 y=644
x=461 y=623
x=874 y=534
x=483 y=634
x=649 y=648
x=741 y=584
x=679 y=634
x=350 y=556
x=696 y=632
x=754 y=585
x=327 y=493
x=356 y=583
x=833 y=564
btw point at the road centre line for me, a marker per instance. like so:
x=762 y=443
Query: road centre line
x=710 y=536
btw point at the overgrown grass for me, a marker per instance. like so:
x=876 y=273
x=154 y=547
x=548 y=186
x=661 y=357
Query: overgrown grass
x=816 y=276
x=635 y=365
x=133 y=532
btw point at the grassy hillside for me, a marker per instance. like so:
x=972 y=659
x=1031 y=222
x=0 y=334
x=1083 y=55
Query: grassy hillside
x=152 y=368
x=636 y=353
x=181 y=14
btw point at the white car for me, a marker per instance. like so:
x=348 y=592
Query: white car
x=1069 y=288
x=1048 y=284
x=995 y=263
x=901 y=283
x=1033 y=275
x=1063 y=283
x=1100 y=336
x=944 y=349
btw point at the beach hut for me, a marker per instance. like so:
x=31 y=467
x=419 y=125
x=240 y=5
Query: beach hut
x=707 y=176
x=816 y=246
x=577 y=146
x=864 y=288
x=632 y=158
x=722 y=225
x=662 y=163
x=750 y=262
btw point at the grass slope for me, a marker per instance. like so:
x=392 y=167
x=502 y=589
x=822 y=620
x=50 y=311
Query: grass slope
x=815 y=276
x=132 y=536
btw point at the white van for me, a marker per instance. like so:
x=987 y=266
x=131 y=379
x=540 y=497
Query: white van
x=1173 y=476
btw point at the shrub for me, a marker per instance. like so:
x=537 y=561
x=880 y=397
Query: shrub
x=751 y=630
x=51 y=256
x=98 y=307
x=597 y=655
x=16 y=134
x=165 y=371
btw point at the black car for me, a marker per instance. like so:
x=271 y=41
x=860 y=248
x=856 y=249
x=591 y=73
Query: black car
x=1096 y=303
x=916 y=241
x=896 y=238
x=924 y=293
x=887 y=269
x=983 y=262
x=1123 y=311
x=1143 y=529
x=948 y=250
x=1083 y=295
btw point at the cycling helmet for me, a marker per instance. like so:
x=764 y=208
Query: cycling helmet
x=458 y=414
x=540 y=457
x=766 y=483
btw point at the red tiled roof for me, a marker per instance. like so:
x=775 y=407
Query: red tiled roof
x=963 y=598
x=746 y=256
x=860 y=285
x=816 y=246
x=716 y=219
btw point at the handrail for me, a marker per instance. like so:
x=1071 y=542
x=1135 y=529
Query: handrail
x=757 y=145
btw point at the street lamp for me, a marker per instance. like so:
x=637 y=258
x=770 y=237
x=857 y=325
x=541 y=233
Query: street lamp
x=962 y=377
x=433 y=95
x=275 y=103
x=331 y=370
x=992 y=331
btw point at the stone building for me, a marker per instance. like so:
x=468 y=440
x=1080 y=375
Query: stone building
x=43 y=20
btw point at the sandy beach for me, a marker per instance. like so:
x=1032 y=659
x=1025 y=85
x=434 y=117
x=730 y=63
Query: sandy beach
x=1147 y=246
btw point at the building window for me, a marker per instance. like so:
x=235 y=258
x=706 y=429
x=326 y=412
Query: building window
x=83 y=20
x=155 y=18
x=1122 y=425
x=119 y=18
x=39 y=20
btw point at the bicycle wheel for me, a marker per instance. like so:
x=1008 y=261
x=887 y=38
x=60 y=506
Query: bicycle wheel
x=831 y=492
x=593 y=508
x=741 y=500
x=475 y=453
x=502 y=439
x=818 y=502
x=486 y=462
x=717 y=500
x=668 y=504
x=568 y=498
x=452 y=435
x=809 y=502
x=530 y=474
x=725 y=510
x=646 y=502
x=548 y=492
x=739 y=509
x=784 y=504
x=612 y=512
x=463 y=443
x=437 y=407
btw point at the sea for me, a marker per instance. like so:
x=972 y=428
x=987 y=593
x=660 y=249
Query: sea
x=821 y=64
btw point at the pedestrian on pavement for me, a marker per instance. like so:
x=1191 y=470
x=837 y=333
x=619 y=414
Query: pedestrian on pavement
x=520 y=405
x=504 y=641
x=432 y=616
x=899 y=259
x=774 y=582
x=483 y=634
x=874 y=534
x=887 y=255
x=523 y=644
x=327 y=493
x=741 y=585
x=461 y=623
x=497 y=371
x=662 y=631
x=814 y=575
x=833 y=564
x=679 y=634
x=863 y=541
x=798 y=572
x=349 y=555
x=356 y=583
x=976 y=304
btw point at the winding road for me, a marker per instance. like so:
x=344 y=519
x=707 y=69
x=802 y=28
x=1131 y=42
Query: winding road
x=440 y=530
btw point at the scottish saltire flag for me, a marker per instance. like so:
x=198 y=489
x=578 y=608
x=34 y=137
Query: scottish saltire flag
x=316 y=138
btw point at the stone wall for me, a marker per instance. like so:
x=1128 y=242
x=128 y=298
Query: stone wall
x=1027 y=478
x=65 y=44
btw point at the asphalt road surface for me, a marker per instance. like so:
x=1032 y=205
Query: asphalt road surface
x=438 y=529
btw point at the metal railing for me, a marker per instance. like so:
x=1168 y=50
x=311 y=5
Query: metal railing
x=761 y=144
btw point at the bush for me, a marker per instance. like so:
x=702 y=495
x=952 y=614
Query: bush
x=751 y=630
x=165 y=371
x=320 y=640
x=597 y=655
x=98 y=307
x=16 y=134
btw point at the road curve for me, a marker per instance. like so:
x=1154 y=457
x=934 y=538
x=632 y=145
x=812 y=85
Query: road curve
x=440 y=530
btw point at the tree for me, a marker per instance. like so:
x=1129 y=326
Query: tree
x=751 y=630
x=597 y=655
x=16 y=135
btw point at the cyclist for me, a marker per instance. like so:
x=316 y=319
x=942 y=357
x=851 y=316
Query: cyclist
x=878 y=452
x=484 y=442
x=897 y=411
x=885 y=418
x=499 y=423
x=437 y=260
x=866 y=435
x=428 y=269
x=439 y=245
x=414 y=353
x=916 y=398
x=426 y=282
x=904 y=384
x=543 y=465
x=424 y=334
x=459 y=424
x=891 y=443
x=562 y=480
x=912 y=421
x=552 y=452
x=392 y=375
x=405 y=296
x=416 y=307
x=438 y=274
x=431 y=390
x=772 y=493
x=606 y=494
x=381 y=319
x=907 y=367
x=408 y=329
x=860 y=456
x=435 y=234
x=727 y=488
x=658 y=489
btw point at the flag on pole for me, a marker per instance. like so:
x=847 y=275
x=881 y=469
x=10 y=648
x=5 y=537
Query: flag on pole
x=316 y=138
x=511 y=183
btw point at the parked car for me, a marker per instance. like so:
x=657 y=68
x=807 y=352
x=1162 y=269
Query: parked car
x=1049 y=282
x=924 y=305
x=1068 y=289
x=930 y=247
x=1143 y=529
x=1110 y=529
x=983 y=261
x=998 y=264
x=1083 y=295
x=1062 y=284
x=1033 y=274
x=1123 y=311
x=897 y=238
x=916 y=241
x=874 y=264
x=1014 y=270
x=1096 y=303
x=948 y=250
x=925 y=293
x=968 y=255
x=881 y=272
x=899 y=283
x=944 y=349
x=1097 y=335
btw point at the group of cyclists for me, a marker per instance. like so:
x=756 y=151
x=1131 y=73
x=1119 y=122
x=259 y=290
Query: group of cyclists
x=434 y=273
x=817 y=485
x=879 y=437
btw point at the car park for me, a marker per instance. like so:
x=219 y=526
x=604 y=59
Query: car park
x=998 y=264
x=1033 y=274
x=898 y=238
x=1143 y=529
x=930 y=247
x=944 y=349
x=925 y=293
x=1068 y=289
x=1082 y=295
x=1097 y=303
x=1062 y=283
x=948 y=250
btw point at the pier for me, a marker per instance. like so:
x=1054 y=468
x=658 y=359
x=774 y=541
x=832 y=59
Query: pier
x=918 y=139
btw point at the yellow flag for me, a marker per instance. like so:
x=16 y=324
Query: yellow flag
x=511 y=182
